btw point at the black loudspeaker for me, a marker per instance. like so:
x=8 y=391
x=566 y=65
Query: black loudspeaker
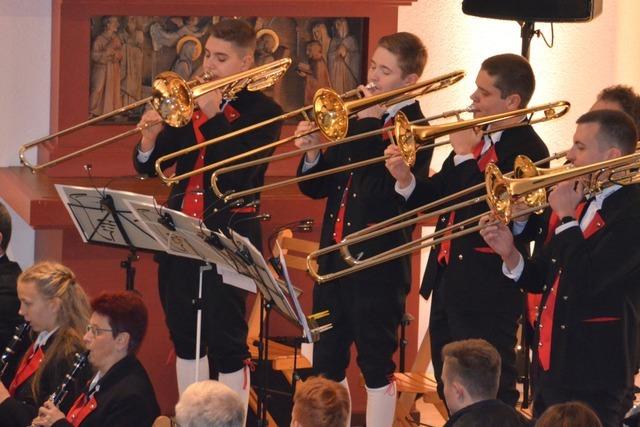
x=535 y=10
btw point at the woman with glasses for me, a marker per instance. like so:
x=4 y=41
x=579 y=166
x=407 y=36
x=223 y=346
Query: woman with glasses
x=120 y=394
x=57 y=308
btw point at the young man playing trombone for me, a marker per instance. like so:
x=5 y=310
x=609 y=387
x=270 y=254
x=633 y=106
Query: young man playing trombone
x=588 y=272
x=470 y=298
x=366 y=307
x=228 y=50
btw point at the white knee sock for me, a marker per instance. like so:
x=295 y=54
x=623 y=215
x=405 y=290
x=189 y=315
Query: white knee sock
x=381 y=405
x=240 y=382
x=345 y=384
x=186 y=371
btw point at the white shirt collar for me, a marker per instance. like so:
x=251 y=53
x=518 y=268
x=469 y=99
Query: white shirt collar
x=43 y=337
x=393 y=110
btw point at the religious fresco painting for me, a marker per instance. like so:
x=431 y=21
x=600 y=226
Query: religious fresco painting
x=128 y=51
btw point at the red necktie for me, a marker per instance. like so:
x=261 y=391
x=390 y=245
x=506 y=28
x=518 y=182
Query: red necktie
x=193 y=201
x=339 y=224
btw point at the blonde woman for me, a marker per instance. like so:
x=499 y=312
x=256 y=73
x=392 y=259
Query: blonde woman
x=57 y=308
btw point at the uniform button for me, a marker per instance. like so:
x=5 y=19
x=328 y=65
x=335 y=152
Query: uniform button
x=536 y=307
x=444 y=251
x=339 y=187
x=539 y=344
x=348 y=159
x=544 y=307
x=342 y=205
x=354 y=195
x=443 y=219
x=460 y=257
x=334 y=234
x=195 y=200
x=540 y=230
x=540 y=326
x=565 y=297
x=194 y=215
x=563 y=326
x=553 y=260
x=599 y=224
x=544 y=288
x=330 y=215
x=348 y=224
x=351 y=174
x=338 y=220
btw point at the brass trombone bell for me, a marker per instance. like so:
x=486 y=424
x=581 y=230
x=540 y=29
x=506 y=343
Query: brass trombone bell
x=503 y=192
x=409 y=137
x=174 y=100
x=332 y=113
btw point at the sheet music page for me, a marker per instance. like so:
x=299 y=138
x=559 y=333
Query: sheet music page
x=96 y=224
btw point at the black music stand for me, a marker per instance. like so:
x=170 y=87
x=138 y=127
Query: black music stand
x=276 y=294
x=101 y=216
x=186 y=236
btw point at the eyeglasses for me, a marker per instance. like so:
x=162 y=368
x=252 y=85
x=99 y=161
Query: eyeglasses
x=95 y=331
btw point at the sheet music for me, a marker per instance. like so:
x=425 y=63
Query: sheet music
x=96 y=224
x=188 y=238
x=272 y=288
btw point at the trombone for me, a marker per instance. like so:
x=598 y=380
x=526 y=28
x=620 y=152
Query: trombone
x=174 y=179
x=331 y=115
x=174 y=99
x=507 y=191
x=407 y=142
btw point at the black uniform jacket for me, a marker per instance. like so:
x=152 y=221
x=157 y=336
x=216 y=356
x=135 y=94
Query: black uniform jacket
x=21 y=409
x=371 y=198
x=125 y=398
x=473 y=279
x=595 y=322
x=252 y=107
x=492 y=412
x=9 y=303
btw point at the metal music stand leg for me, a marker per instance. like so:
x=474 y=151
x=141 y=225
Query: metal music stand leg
x=198 y=303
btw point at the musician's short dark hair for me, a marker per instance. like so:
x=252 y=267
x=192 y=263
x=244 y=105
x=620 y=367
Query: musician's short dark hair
x=5 y=227
x=126 y=313
x=568 y=414
x=626 y=97
x=616 y=129
x=320 y=402
x=476 y=364
x=513 y=75
x=409 y=51
x=237 y=31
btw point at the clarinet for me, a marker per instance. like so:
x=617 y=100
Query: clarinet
x=61 y=392
x=10 y=350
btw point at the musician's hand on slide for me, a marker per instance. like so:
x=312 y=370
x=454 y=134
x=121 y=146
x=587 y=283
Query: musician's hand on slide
x=498 y=236
x=48 y=414
x=396 y=166
x=150 y=132
x=307 y=141
x=377 y=110
x=464 y=141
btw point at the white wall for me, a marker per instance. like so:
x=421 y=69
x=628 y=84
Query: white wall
x=25 y=43
x=586 y=57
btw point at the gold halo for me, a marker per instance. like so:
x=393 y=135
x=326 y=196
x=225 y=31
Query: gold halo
x=272 y=33
x=183 y=40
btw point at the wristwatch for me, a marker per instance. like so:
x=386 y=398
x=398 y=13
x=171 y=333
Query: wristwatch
x=566 y=219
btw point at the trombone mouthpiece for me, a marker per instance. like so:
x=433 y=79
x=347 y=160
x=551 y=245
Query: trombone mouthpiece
x=370 y=85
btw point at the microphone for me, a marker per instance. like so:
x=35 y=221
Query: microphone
x=305 y=225
x=259 y=217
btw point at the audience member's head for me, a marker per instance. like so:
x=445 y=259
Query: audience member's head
x=568 y=414
x=622 y=98
x=471 y=373
x=320 y=402
x=209 y=404
x=5 y=229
